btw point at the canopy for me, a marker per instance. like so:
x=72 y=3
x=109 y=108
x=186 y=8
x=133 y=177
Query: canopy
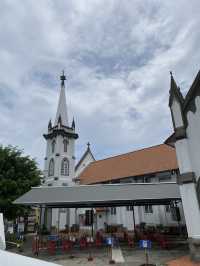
x=101 y=195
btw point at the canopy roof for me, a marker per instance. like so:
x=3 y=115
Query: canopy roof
x=101 y=195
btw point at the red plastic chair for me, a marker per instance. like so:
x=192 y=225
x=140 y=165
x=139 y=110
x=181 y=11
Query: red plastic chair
x=98 y=242
x=51 y=247
x=83 y=242
x=163 y=242
x=35 y=246
x=66 y=245
x=130 y=241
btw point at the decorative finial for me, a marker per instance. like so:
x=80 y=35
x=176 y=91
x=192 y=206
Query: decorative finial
x=60 y=120
x=88 y=144
x=49 y=125
x=73 y=123
x=171 y=73
x=63 y=78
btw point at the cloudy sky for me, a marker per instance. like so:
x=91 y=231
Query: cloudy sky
x=117 y=56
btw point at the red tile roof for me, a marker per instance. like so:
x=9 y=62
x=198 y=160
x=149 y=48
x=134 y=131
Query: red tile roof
x=137 y=163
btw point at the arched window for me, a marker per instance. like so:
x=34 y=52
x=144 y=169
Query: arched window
x=51 y=167
x=65 y=167
x=65 y=142
x=53 y=144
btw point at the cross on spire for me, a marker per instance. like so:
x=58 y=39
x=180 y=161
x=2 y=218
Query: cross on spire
x=88 y=144
x=63 y=78
x=62 y=106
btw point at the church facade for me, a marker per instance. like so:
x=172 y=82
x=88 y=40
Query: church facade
x=153 y=164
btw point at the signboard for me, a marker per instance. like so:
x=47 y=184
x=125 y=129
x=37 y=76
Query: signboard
x=109 y=241
x=145 y=244
x=53 y=237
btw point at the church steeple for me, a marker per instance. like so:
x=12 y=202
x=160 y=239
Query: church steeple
x=62 y=106
x=60 y=152
x=73 y=123
x=175 y=91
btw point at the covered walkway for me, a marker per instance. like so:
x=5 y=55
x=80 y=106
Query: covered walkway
x=93 y=196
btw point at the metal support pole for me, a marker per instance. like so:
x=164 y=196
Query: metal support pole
x=38 y=233
x=40 y=220
x=135 y=232
x=92 y=222
x=178 y=218
x=133 y=216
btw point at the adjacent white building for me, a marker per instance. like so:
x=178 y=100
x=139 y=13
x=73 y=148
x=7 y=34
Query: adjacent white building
x=149 y=165
x=186 y=122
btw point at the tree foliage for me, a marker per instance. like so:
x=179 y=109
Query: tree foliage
x=18 y=173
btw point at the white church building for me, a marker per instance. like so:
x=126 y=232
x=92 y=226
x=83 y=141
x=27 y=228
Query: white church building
x=152 y=164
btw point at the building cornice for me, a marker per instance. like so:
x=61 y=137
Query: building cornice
x=185 y=178
x=56 y=132
x=180 y=133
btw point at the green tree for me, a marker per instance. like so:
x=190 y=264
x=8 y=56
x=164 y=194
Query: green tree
x=18 y=173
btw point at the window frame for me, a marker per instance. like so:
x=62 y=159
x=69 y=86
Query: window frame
x=148 y=209
x=64 y=171
x=51 y=167
x=129 y=208
x=113 y=210
x=168 y=208
x=65 y=145
x=53 y=146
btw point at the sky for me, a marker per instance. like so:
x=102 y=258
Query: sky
x=116 y=55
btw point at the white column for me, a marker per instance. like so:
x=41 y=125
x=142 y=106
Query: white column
x=191 y=209
x=188 y=191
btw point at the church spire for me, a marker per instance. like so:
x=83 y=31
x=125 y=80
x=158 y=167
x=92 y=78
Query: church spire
x=73 y=123
x=175 y=91
x=62 y=106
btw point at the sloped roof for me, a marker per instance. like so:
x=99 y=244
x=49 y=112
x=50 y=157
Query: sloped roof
x=171 y=140
x=137 y=163
x=101 y=195
x=192 y=91
x=175 y=91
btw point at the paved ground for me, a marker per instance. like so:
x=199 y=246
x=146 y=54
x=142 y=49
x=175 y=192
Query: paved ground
x=183 y=261
x=132 y=257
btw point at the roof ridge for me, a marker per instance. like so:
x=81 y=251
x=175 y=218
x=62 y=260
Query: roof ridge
x=162 y=144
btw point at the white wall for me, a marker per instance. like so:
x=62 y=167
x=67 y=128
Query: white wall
x=193 y=134
x=177 y=113
x=59 y=149
x=2 y=234
x=188 y=156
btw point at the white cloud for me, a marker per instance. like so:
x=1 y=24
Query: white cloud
x=117 y=55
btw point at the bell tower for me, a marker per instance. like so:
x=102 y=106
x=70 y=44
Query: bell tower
x=60 y=149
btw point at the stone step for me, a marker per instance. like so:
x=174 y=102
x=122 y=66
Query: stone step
x=117 y=255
